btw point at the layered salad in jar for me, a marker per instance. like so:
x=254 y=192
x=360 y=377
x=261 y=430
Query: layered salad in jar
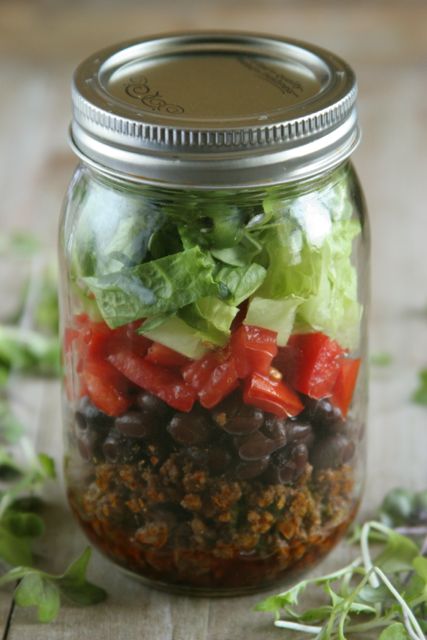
x=213 y=387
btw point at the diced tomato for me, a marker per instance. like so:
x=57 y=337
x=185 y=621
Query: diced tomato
x=160 y=354
x=126 y=337
x=106 y=387
x=343 y=390
x=76 y=337
x=198 y=372
x=88 y=339
x=164 y=383
x=253 y=349
x=82 y=319
x=97 y=338
x=271 y=395
x=310 y=363
x=222 y=381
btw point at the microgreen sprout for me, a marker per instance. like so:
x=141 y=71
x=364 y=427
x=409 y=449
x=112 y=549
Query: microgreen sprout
x=384 y=590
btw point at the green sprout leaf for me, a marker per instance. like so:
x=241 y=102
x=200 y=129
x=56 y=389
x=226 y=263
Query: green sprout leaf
x=19 y=243
x=420 y=566
x=23 y=525
x=420 y=395
x=74 y=585
x=44 y=591
x=395 y=631
x=11 y=428
x=397 y=507
x=381 y=359
x=35 y=590
x=29 y=351
x=14 y=550
x=47 y=465
x=398 y=554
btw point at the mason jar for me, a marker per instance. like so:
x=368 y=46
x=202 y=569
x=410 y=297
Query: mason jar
x=214 y=253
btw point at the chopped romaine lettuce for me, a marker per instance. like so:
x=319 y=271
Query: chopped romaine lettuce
x=227 y=224
x=179 y=336
x=241 y=282
x=334 y=308
x=311 y=216
x=241 y=254
x=154 y=287
x=276 y=315
x=113 y=230
x=292 y=265
x=337 y=198
x=211 y=317
x=323 y=276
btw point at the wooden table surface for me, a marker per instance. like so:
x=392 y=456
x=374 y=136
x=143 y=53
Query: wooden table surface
x=386 y=43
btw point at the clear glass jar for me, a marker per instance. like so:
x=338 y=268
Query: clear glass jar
x=214 y=344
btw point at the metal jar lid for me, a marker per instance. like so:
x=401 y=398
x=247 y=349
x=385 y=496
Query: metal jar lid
x=214 y=109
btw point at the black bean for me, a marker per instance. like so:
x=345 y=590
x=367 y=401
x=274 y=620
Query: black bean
x=152 y=404
x=89 y=416
x=237 y=418
x=112 y=447
x=300 y=432
x=87 y=444
x=324 y=415
x=288 y=473
x=332 y=451
x=249 y=470
x=136 y=424
x=299 y=455
x=347 y=448
x=276 y=429
x=117 y=449
x=81 y=423
x=255 y=446
x=287 y=464
x=190 y=428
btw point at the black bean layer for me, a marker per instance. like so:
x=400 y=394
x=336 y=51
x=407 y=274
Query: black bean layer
x=232 y=439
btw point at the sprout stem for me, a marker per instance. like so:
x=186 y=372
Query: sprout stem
x=296 y=626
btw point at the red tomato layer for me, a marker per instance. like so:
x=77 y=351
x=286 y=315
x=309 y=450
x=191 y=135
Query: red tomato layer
x=114 y=363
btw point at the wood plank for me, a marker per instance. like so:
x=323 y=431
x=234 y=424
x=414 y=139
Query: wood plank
x=6 y=604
